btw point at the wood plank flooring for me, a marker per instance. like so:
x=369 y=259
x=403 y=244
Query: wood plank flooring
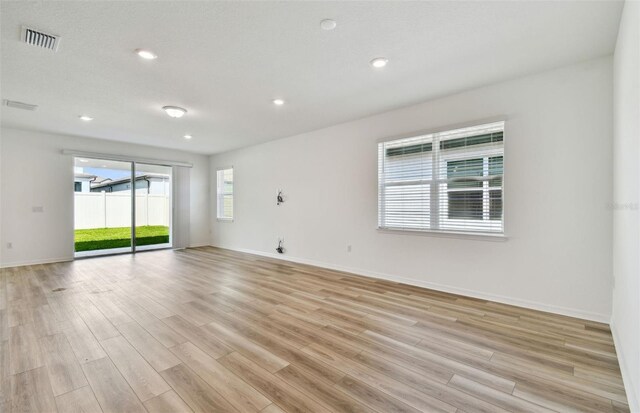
x=210 y=330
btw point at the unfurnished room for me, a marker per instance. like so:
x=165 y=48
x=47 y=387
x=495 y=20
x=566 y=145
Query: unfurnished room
x=319 y=206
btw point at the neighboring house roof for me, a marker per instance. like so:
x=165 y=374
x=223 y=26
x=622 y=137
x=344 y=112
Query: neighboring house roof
x=94 y=179
x=101 y=179
x=110 y=182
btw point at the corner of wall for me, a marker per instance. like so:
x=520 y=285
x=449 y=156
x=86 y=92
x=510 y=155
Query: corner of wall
x=629 y=385
x=625 y=326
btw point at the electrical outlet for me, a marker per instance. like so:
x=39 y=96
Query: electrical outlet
x=37 y=209
x=348 y=248
x=9 y=245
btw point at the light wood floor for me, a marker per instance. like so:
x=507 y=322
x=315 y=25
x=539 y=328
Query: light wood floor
x=211 y=330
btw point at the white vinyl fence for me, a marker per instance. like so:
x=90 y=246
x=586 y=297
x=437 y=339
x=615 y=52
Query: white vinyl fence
x=113 y=209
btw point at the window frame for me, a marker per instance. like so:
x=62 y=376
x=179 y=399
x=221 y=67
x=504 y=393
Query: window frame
x=220 y=194
x=484 y=152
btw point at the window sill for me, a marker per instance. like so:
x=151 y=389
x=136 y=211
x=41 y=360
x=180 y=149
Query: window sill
x=224 y=219
x=444 y=234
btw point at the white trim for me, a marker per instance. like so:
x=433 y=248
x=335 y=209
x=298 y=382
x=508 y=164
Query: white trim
x=69 y=259
x=480 y=236
x=102 y=252
x=125 y=158
x=439 y=159
x=629 y=386
x=534 y=305
x=35 y=262
x=461 y=125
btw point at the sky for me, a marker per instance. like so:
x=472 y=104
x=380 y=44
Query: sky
x=108 y=173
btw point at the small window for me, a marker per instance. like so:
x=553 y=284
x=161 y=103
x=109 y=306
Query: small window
x=447 y=181
x=77 y=186
x=225 y=194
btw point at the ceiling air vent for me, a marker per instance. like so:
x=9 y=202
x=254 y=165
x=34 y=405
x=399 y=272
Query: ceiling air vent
x=40 y=39
x=19 y=105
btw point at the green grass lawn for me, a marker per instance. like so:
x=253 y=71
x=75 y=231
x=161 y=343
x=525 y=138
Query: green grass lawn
x=105 y=238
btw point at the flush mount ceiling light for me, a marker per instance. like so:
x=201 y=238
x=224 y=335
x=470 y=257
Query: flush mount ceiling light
x=328 y=24
x=278 y=102
x=379 y=62
x=146 y=54
x=187 y=137
x=174 y=111
x=85 y=118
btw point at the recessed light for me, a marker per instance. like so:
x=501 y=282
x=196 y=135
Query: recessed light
x=174 y=111
x=278 y=102
x=187 y=137
x=146 y=54
x=379 y=62
x=85 y=118
x=328 y=24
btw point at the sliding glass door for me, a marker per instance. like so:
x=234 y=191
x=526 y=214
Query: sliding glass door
x=153 y=207
x=106 y=194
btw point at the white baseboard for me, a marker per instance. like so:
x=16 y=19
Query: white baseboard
x=534 y=305
x=34 y=262
x=198 y=245
x=629 y=386
x=64 y=259
x=603 y=318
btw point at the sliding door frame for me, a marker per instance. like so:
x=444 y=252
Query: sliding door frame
x=133 y=207
x=132 y=162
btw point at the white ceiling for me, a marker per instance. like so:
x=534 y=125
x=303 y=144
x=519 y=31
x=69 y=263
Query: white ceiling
x=226 y=61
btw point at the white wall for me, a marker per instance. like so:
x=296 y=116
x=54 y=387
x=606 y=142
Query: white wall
x=34 y=173
x=625 y=321
x=558 y=178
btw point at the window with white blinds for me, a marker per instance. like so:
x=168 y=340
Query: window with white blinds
x=448 y=181
x=225 y=194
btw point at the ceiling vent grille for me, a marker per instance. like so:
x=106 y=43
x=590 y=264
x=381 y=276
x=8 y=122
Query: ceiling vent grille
x=40 y=39
x=19 y=105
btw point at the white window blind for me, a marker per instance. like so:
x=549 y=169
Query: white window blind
x=225 y=194
x=448 y=181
